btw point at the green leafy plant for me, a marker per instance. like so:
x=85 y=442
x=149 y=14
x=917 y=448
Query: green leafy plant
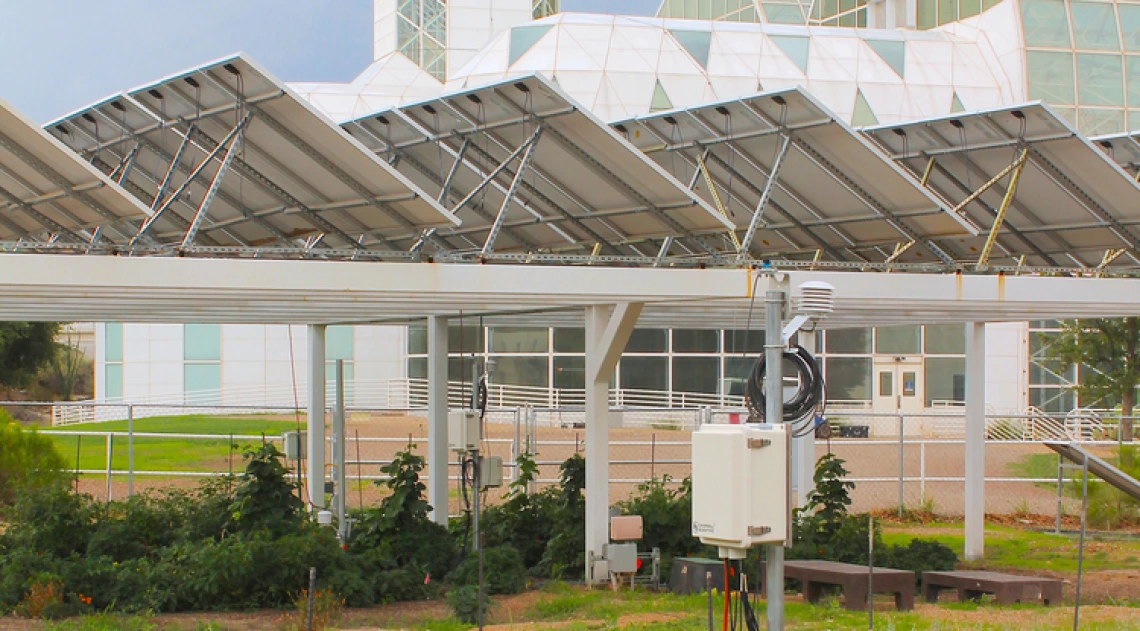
x=564 y=555
x=666 y=516
x=27 y=459
x=264 y=498
x=503 y=571
x=464 y=603
x=523 y=520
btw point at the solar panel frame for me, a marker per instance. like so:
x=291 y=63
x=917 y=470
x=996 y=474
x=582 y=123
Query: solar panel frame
x=290 y=177
x=47 y=194
x=583 y=187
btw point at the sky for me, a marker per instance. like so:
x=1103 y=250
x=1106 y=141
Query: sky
x=62 y=55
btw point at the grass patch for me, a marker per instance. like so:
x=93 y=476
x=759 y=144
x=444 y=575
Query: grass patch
x=1014 y=548
x=167 y=454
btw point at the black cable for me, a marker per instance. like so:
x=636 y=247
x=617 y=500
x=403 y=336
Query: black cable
x=807 y=397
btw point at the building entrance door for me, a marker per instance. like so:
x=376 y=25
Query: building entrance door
x=898 y=384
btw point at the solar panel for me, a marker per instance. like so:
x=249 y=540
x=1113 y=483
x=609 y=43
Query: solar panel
x=1124 y=149
x=1071 y=204
x=833 y=193
x=47 y=194
x=529 y=170
x=226 y=155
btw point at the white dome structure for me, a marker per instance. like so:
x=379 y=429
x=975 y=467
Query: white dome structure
x=390 y=80
x=621 y=66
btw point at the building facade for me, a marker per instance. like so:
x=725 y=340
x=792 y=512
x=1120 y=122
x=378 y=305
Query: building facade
x=871 y=63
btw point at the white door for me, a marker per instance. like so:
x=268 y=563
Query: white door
x=898 y=384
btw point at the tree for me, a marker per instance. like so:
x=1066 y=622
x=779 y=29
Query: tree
x=27 y=459
x=26 y=348
x=67 y=368
x=1108 y=351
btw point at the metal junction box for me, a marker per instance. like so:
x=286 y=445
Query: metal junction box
x=463 y=430
x=740 y=486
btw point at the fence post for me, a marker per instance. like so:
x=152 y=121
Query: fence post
x=922 y=471
x=130 y=450
x=110 y=441
x=901 y=465
x=1060 y=491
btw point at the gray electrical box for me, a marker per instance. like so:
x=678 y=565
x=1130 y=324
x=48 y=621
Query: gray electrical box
x=622 y=557
x=490 y=472
x=463 y=430
x=295 y=445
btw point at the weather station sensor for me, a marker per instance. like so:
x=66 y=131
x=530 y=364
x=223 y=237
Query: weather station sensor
x=740 y=487
x=463 y=430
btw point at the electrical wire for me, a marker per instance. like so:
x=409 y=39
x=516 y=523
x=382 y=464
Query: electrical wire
x=807 y=397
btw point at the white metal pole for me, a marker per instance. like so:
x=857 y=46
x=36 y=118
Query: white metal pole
x=803 y=451
x=437 y=418
x=338 y=452
x=130 y=450
x=110 y=448
x=774 y=413
x=316 y=438
x=597 y=441
x=975 y=440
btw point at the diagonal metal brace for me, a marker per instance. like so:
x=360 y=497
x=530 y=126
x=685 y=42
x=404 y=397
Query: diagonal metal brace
x=769 y=186
x=497 y=226
x=211 y=192
x=1018 y=166
x=703 y=168
x=1015 y=165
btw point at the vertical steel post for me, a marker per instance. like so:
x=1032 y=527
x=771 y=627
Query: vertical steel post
x=130 y=450
x=316 y=437
x=774 y=414
x=975 y=460
x=338 y=452
x=437 y=418
x=1060 y=491
x=922 y=472
x=597 y=441
x=902 y=465
x=1081 y=544
x=110 y=440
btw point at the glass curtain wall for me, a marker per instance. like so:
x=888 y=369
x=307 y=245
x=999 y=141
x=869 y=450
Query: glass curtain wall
x=421 y=34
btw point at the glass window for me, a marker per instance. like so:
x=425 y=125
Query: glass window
x=330 y=382
x=417 y=368
x=524 y=37
x=1133 y=120
x=202 y=342
x=203 y=383
x=461 y=369
x=1094 y=25
x=1045 y=23
x=947 y=11
x=647 y=341
x=1133 y=62
x=520 y=371
x=854 y=341
x=848 y=378
x=467 y=339
x=1053 y=400
x=945 y=339
x=569 y=340
x=113 y=342
x=744 y=341
x=417 y=340
x=783 y=13
x=1050 y=76
x=645 y=373
x=695 y=341
x=967 y=8
x=927 y=14
x=570 y=372
x=338 y=342
x=1099 y=121
x=945 y=379
x=1048 y=372
x=696 y=374
x=1099 y=79
x=510 y=339
x=113 y=382
x=1130 y=25
x=697 y=43
x=886 y=383
x=736 y=371
x=898 y=340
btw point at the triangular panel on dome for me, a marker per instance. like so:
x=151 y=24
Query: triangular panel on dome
x=956 y=104
x=661 y=100
x=893 y=51
x=863 y=114
x=795 y=47
x=523 y=37
x=697 y=43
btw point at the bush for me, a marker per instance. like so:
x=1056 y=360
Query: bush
x=920 y=555
x=264 y=498
x=666 y=517
x=522 y=521
x=565 y=552
x=464 y=603
x=1109 y=507
x=503 y=571
x=27 y=459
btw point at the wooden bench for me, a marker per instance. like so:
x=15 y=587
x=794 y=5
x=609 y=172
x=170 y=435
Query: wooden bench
x=854 y=581
x=1006 y=588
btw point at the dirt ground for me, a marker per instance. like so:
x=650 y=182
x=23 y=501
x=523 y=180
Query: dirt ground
x=640 y=453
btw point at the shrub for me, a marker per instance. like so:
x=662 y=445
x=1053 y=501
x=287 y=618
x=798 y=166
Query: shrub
x=919 y=556
x=522 y=521
x=27 y=459
x=564 y=555
x=666 y=517
x=503 y=571
x=264 y=498
x=327 y=609
x=44 y=594
x=1109 y=507
x=464 y=603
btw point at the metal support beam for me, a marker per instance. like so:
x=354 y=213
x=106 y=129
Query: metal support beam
x=1015 y=166
x=499 y=169
x=716 y=198
x=1010 y=191
x=758 y=213
x=340 y=504
x=316 y=424
x=1083 y=198
x=1108 y=258
x=39 y=217
x=900 y=249
x=975 y=463
x=774 y=414
x=122 y=171
x=926 y=172
x=606 y=337
x=803 y=447
x=211 y=191
x=158 y=195
x=437 y=418
x=497 y=225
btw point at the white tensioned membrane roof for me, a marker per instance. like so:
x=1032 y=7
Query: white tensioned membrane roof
x=833 y=192
x=47 y=193
x=522 y=156
x=268 y=170
x=1073 y=206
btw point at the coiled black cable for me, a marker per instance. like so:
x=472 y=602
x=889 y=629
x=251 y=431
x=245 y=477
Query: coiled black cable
x=807 y=397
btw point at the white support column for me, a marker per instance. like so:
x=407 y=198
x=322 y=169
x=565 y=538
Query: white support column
x=606 y=336
x=803 y=448
x=437 y=418
x=316 y=429
x=975 y=440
